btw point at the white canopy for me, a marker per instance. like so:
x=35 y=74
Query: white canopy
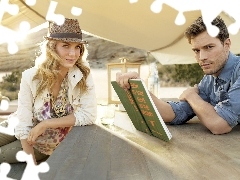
x=130 y=24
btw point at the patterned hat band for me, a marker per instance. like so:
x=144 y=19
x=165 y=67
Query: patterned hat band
x=66 y=35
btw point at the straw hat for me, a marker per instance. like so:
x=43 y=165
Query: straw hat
x=69 y=31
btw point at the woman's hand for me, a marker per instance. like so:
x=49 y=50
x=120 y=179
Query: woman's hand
x=28 y=149
x=36 y=131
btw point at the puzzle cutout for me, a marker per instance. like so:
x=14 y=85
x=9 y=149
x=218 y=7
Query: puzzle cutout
x=12 y=122
x=31 y=171
x=209 y=9
x=208 y=14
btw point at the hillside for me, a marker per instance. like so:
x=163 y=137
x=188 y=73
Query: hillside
x=100 y=52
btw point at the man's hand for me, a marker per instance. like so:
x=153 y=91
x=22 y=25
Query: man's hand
x=188 y=93
x=39 y=129
x=205 y=111
x=122 y=78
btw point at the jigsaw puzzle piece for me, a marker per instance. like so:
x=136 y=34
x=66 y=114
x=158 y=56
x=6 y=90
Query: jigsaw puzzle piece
x=51 y=16
x=12 y=122
x=31 y=171
x=4 y=170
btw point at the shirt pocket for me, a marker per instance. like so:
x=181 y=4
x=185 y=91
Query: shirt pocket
x=224 y=97
x=214 y=98
x=220 y=97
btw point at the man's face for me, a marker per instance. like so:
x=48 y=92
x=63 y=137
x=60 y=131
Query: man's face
x=210 y=53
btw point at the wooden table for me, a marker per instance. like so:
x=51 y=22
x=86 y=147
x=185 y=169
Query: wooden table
x=122 y=153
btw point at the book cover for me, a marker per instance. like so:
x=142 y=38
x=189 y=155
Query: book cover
x=131 y=108
x=138 y=98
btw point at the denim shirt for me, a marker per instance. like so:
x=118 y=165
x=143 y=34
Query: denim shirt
x=222 y=92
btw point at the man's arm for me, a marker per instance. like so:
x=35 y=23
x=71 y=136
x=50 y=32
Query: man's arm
x=205 y=111
x=163 y=107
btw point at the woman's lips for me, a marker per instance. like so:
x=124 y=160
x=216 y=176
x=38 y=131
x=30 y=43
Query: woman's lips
x=70 y=60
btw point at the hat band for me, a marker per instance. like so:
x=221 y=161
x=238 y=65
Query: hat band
x=66 y=35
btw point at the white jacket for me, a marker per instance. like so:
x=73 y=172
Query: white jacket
x=85 y=106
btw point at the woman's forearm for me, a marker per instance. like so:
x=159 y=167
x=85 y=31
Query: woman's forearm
x=28 y=149
x=66 y=121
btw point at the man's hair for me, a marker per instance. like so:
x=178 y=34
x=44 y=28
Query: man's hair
x=198 y=27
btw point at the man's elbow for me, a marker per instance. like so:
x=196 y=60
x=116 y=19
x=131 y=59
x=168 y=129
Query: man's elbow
x=220 y=130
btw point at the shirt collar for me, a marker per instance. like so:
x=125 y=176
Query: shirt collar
x=74 y=75
x=227 y=71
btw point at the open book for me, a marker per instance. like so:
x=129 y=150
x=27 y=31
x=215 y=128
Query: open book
x=141 y=109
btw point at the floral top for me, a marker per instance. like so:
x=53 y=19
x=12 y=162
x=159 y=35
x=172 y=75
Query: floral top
x=49 y=140
x=32 y=106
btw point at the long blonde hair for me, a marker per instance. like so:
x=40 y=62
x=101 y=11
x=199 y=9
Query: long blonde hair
x=48 y=69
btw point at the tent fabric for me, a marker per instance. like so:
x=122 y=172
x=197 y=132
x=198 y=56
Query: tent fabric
x=133 y=25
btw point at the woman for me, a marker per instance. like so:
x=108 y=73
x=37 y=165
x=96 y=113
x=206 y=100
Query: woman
x=54 y=95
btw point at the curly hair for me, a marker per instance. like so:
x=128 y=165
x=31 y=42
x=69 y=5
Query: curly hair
x=48 y=70
x=198 y=27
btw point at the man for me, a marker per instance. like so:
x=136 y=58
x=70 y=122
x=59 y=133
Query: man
x=216 y=99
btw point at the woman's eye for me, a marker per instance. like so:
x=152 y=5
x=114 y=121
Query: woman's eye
x=65 y=45
x=196 y=51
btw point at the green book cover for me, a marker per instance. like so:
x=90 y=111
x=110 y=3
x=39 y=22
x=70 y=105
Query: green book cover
x=145 y=107
x=131 y=108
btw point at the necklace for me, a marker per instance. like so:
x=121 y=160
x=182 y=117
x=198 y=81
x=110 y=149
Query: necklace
x=59 y=105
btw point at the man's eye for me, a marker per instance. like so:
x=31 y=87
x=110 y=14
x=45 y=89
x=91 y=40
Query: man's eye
x=209 y=47
x=196 y=51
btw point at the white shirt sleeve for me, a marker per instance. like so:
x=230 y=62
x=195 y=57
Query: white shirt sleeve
x=24 y=110
x=85 y=106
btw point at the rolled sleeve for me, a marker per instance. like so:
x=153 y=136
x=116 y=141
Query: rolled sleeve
x=227 y=115
x=183 y=112
x=22 y=132
x=229 y=107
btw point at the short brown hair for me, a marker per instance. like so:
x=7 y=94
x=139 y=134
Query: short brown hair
x=198 y=27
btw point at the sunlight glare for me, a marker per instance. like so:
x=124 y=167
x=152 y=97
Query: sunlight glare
x=12 y=48
x=38 y=28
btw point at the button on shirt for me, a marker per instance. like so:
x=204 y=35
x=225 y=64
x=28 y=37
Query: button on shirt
x=222 y=92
